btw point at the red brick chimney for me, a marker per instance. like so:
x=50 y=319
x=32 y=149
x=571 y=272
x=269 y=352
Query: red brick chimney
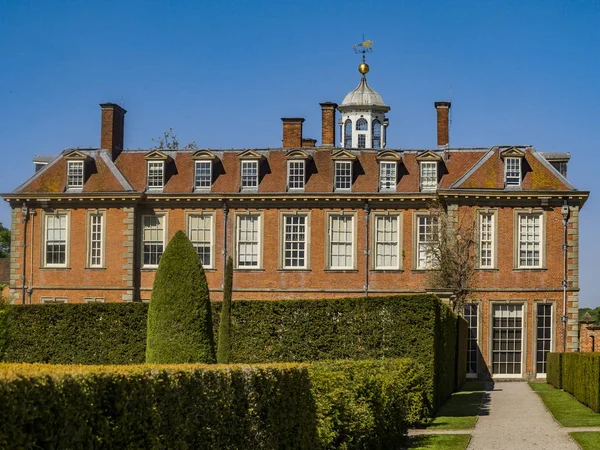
x=112 y=129
x=328 y=124
x=443 y=123
x=292 y=132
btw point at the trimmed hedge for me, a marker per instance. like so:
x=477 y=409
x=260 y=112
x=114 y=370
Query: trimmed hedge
x=417 y=326
x=366 y=404
x=554 y=370
x=179 y=316
x=95 y=333
x=579 y=376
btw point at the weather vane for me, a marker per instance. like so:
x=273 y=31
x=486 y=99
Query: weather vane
x=363 y=48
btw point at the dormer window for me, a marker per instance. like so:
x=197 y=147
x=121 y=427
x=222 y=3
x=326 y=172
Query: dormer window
x=343 y=176
x=203 y=175
x=156 y=174
x=296 y=175
x=74 y=174
x=249 y=175
x=376 y=134
x=512 y=171
x=348 y=134
x=429 y=175
x=387 y=176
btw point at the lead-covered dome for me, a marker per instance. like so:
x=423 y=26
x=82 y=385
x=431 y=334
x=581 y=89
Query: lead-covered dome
x=363 y=96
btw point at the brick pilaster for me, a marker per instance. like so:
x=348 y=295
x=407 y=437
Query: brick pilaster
x=129 y=254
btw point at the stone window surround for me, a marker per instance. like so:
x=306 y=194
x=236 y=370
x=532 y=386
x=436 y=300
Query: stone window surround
x=50 y=212
x=516 y=259
x=261 y=235
x=480 y=361
x=212 y=215
x=374 y=214
x=49 y=300
x=281 y=260
x=328 y=215
x=88 y=238
x=494 y=213
x=94 y=300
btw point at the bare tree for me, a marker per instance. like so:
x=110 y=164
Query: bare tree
x=452 y=253
x=168 y=141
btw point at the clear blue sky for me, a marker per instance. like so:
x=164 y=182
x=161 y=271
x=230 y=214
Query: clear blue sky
x=223 y=73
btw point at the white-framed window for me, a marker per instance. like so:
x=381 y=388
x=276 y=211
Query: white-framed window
x=249 y=175
x=486 y=241
x=427 y=235
x=512 y=171
x=56 y=235
x=153 y=239
x=202 y=175
x=343 y=176
x=472 y=317
x=341 y=242
x=48 y=300
x=387 y=176
x=74 y=174
x=248 y=241
x=376 y=134
x=387 y=242
x=296 y=175
x=530 y=229
x=156 y=174
x=507 y=339
x=295 y=238
x=200 y=232
x=96 y=240
x=348 y=133
x=429 y=175
x=93 y=300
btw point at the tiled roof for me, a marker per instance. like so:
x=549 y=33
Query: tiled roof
x=475 y=168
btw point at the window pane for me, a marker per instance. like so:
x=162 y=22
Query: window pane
x=513 y=171
x=203 y=178
x=294 y=242
x=75 y=174
x=387 y=176
x=200 y=234
x=427 y=236
x=56 y=239
x=348 y=134
x=296 y=177
x=486 y=240
x=544 y=336
x=470 y=316
x=507 y=339
x=249 y=175
x=155 y=174
x=153 y=240
x=428 y=175
x=530 y=239
x=343 y=175
x=376 y=134
x=362 y=125
x=96 y=240
x=386 y=242
x=248 y=241
x=341 y=242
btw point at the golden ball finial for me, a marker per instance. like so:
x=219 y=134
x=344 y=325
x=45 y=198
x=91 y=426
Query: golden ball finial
x=363 y=68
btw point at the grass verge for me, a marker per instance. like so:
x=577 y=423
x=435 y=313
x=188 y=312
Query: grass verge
x=439 y=442
x=587 y=440
x=565 y=408
x=461 y=409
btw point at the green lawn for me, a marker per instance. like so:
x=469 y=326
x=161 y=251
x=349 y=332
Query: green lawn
x=587 y=440
x=461 y=410
x=565 y=408
x=440 y=442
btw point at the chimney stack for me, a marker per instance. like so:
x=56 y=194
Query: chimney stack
x=443 y=123
x=112 y=128
x=328 y=124
x=292 y=132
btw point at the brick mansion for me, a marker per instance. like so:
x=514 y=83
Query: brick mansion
x=344 y=216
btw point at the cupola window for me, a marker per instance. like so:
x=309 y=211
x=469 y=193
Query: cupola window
x=376 y=134
x=362 y=125
x=348 y=134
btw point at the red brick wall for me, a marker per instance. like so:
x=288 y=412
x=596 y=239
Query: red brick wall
x=589 y=337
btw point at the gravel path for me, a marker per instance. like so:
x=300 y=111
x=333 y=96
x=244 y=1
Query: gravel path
x=514 y=417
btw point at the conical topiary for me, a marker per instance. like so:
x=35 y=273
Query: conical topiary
x=224 y=347
x=179 y=316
